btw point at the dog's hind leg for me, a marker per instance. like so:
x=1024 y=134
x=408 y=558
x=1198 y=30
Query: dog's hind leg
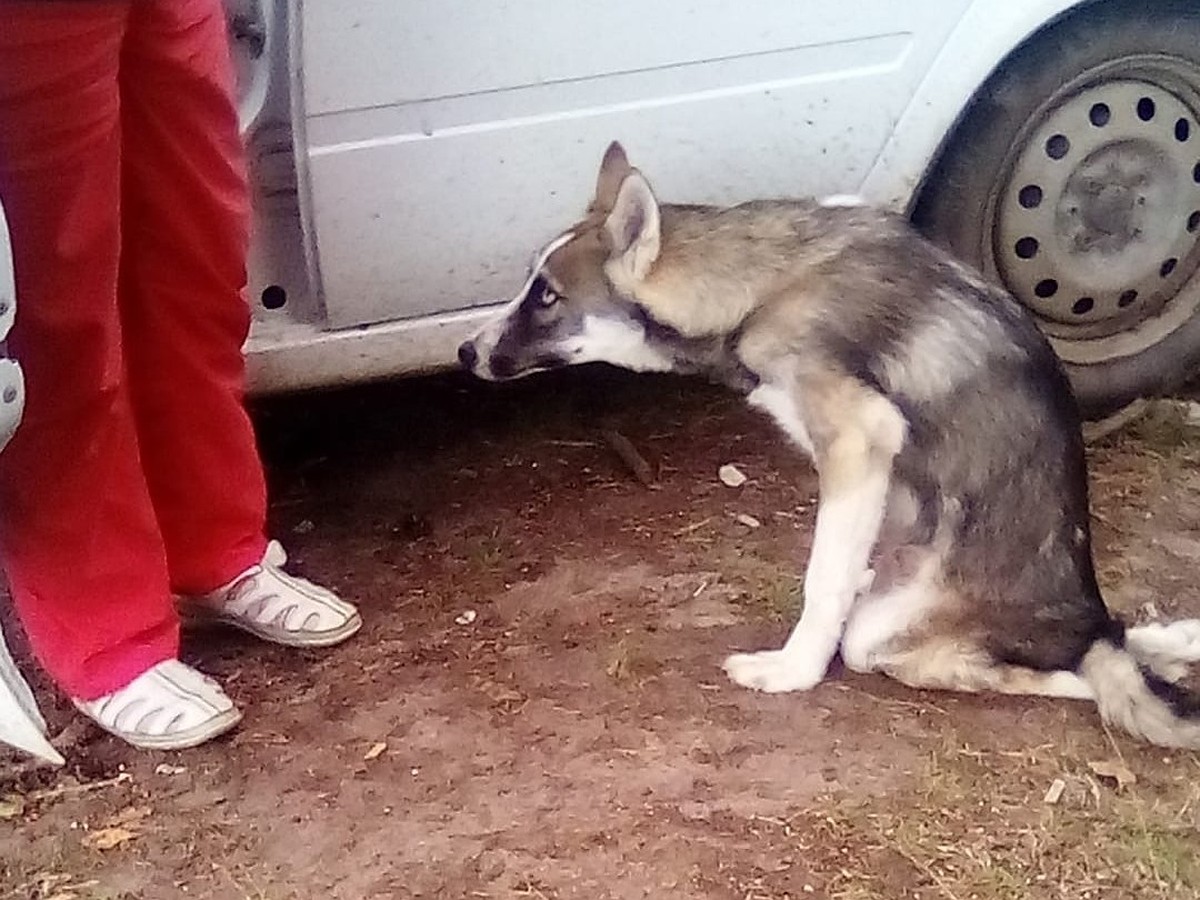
x=950 y=664
x=855 y=473
x=879 y=621
x=909 y=633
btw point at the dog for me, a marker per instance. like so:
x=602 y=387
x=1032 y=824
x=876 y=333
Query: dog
x=952 y=547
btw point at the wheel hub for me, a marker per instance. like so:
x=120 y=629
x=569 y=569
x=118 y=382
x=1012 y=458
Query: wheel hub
x=1098 y=223
x=1100 y=205
x=1111 y=207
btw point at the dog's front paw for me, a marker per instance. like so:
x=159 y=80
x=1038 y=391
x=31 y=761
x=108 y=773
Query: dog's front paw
x=772 y=671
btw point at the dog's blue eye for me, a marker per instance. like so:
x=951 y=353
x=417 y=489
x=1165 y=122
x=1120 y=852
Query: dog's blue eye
x=541 y=292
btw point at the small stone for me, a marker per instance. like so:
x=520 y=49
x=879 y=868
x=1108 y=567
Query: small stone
x=731 y=475
x=1055 y=791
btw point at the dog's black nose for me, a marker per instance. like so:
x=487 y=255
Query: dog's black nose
x=468 y=355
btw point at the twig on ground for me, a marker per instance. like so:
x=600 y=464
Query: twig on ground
x=634 y=461
x=68 y=789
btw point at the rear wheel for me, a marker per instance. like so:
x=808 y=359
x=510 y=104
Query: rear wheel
x=1074 y=178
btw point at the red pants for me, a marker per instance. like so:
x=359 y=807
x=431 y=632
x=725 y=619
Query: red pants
x=135 y=472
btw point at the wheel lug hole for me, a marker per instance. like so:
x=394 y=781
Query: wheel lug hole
x=1167 y=267
x=1030 y=196
x=1126 y=298
x=1193 y=221
x=1183 y=130
x=1146 y=109
x=1057 y=146
x=1026 y=247
x=1046 y=288
x=1099 y=114
x=1083 y=306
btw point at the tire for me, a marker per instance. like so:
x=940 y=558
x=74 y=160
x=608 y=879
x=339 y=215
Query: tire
x=1074 y=178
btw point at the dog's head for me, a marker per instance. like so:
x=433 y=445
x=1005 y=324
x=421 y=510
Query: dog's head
x=577 y=304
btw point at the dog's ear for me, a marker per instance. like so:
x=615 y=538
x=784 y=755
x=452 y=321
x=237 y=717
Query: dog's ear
x=613 y=169
x=633 y=227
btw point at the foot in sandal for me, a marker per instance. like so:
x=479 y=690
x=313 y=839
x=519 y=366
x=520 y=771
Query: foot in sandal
x=272 y=605
x=168 y=707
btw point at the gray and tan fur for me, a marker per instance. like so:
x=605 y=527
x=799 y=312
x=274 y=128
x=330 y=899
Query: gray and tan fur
x=952 y=546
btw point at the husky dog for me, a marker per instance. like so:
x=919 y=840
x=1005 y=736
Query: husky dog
x=952 y=546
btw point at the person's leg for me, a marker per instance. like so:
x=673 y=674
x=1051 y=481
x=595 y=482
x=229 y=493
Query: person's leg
x=185 y=321
x=185 y=221
x=80 y=544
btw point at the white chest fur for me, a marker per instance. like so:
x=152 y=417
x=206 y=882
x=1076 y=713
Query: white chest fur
x=781 y=405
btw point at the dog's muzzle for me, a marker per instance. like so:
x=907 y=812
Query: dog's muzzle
x=489 y=366
x=468 y=356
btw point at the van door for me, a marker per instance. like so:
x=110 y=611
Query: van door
x=444 y=142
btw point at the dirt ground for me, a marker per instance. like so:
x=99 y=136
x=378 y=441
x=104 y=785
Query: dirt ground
x=534 y=707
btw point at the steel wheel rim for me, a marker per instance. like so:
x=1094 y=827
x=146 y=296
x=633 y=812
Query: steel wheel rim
x=1095 y=226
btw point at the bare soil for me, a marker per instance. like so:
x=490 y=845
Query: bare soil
x=534 y=707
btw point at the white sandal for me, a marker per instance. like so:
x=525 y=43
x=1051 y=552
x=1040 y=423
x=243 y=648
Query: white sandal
x=277 y=607
x=168 y=707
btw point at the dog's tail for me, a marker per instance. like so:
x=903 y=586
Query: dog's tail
x=1135 y=677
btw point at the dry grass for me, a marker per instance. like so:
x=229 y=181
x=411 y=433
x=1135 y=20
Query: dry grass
x=974 y=825
x=629 y=660
x=1167 y=425
x=1131 y=467
x=767 y=588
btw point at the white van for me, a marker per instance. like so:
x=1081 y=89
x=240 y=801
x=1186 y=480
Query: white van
x=408 y=156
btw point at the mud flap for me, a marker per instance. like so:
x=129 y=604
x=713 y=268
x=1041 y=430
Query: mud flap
x=21 y=722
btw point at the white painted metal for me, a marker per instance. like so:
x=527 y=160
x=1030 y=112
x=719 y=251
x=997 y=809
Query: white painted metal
x=8 y=287
x=21 y=722
x=986 y=33
x=293 y=357
x=444 y=142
